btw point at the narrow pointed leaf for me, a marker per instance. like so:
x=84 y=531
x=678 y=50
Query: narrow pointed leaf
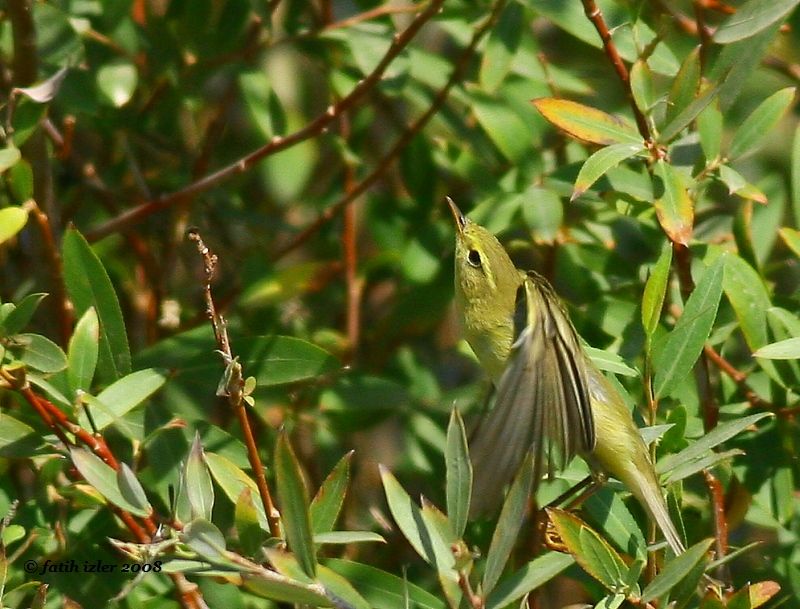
x=675 y=208
x=89 y=285
x=327 y=503
x=783 y=349
x=124 y=395
x=685 y=85
x=199 y=489
x=709 y=127
x=586 y=123
x=641 y=79
x=21 y=314
x=425 y=539
x=104 y=479
x=533 y=575
x=688 y=114
x=654 y=291
x=294 y=505
x=600 y=162
x=593 y=553
x=715 y=437
x=751 y=18
x=338 y=588
x=132 y=489
x=459 y=474
x=675 y=571
x=757 y=127
x=83 y=351
x=508 y=525
x=383 y=590
x=683 y=345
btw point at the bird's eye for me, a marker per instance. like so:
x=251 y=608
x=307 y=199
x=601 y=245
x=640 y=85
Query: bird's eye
x=474 y=258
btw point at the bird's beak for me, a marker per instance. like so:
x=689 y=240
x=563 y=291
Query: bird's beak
x=461 y=220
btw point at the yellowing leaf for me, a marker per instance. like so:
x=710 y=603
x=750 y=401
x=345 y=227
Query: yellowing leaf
x=587 y=123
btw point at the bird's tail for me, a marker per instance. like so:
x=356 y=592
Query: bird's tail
x=645 y=487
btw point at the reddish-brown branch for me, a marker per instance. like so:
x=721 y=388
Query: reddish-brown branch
x=737 y=376
x=235 y=385
x=60 y=303
x=703 y=32
x=276 y=144
x=595 y=15
x=375 y=13
x=405 y=138
x=720 y=520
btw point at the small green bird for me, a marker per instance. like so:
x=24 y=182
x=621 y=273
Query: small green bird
x=550 y=399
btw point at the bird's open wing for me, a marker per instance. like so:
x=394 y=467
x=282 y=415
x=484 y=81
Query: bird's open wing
x=542 y=399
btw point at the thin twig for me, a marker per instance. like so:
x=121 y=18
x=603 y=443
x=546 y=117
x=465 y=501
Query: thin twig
x=331 y=212
x=703 y=32
x=595 y=15
x=235 y=385
x=375 y=13
x=276 y=144
x=737 y=376
x=720 y=520
x=60 y=303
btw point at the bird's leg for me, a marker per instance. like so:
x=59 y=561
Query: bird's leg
x=593 y=483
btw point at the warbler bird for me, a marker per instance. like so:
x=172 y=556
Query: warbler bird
x=550 y=399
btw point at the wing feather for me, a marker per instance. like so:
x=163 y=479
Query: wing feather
x=542 y=399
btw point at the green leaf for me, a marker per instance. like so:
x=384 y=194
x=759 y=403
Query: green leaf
x=607 y=510
x=339 y=588
x=505 y=128
x=117 y=82
x=690 y=468
x=123 y=396
x=688 y=114
x=749 y=298
x=423 y=537
x=294 y=505
x=251 y=535
x=274 y=586
x=543 y=213
x=9 y=157
x=795 y=177
x=40 y=353
x=709 y=126
x=609 y=362
x=791 y=238
x=104 y=479
x=205 y=539
x=600 y=162
x=675 y=570
x=21 y=313
x=327 y=503
x=757 y=127
x=199 y=489
x=132 y=489
x=533 y=575
x=685 y=85
x=586 y=123
x=501 y=46
x=674 y=208
x=233 y=481
x=642 y=87
x=459 y=474
x=20 y=181
x=347 y=537
x=715 y=437
x=17 y=439
x=508 y=525
x=783 y=349
x=591 y=552
x=83 y=351
x=383 y=590
x=654 y=291
x=88 y=285
x=751 y=18
x=683 y=345
x=12 y=220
